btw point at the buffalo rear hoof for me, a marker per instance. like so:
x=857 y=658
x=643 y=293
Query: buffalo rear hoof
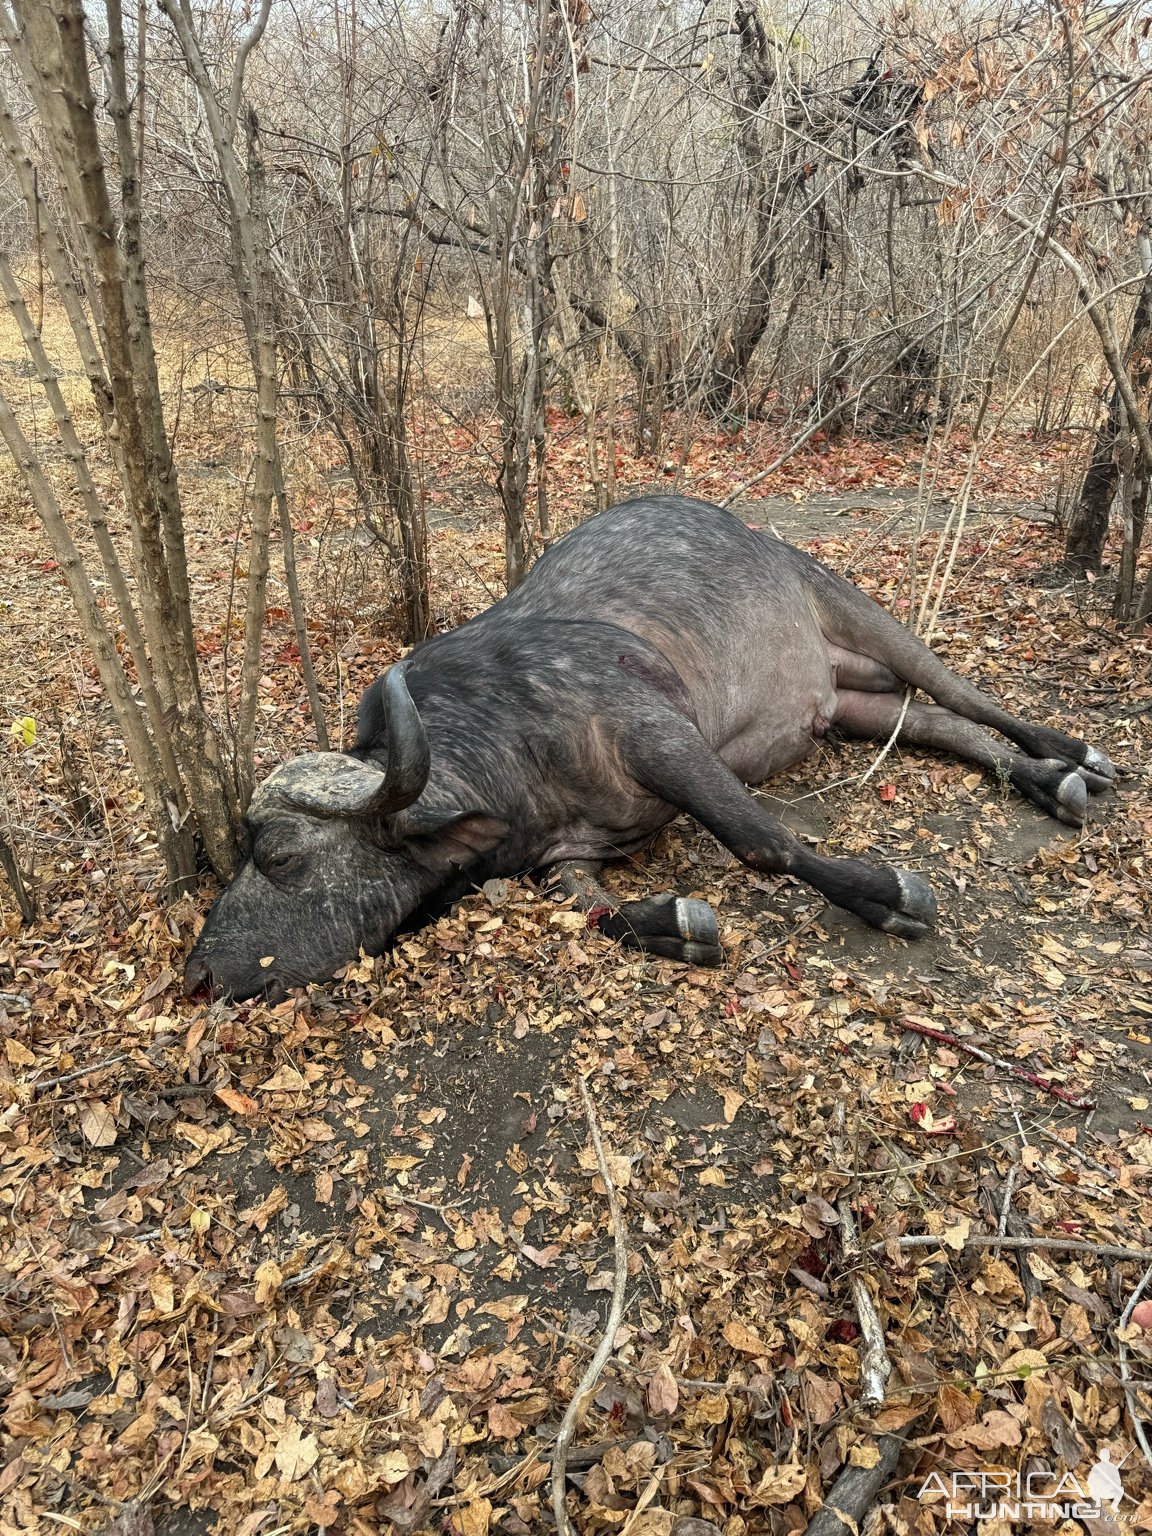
x=1072 y=800
x=1098 y=764
x=1097 y=771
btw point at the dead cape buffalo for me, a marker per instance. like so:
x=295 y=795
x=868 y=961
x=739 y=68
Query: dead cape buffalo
x=659 y=658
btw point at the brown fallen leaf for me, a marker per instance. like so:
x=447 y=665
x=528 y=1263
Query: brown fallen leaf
x=995 y=1429
x=779 y=1485
x=285 y=1079
x=475 y=1518
x=955 y=1408
x=98 y=1124
x=239 y=1103
x=743 y=1338
x=823 y=1398
x=662 y=1394
x=269 y=1279
x=504 y=1424
x=296 y=1451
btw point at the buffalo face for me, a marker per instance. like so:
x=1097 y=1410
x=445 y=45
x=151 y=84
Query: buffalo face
x=342 y=850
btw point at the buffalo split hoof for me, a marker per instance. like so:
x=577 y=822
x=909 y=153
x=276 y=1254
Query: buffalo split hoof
x=677 y=927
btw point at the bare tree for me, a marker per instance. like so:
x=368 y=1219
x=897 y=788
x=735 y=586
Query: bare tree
x=353 y=275
x=175 y=750
x=513 y=168
x=249 y=244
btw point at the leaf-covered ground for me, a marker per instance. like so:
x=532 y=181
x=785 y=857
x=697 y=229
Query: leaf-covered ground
x=339 y=1265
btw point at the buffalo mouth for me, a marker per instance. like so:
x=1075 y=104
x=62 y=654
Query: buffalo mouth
x=203 y=985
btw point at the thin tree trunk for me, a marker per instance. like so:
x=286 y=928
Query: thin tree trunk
x=173 y=833
x=1134 y=489
x=732 y=360
x=258 y=284
x=59 y=266
x=299 y=619
x=97 y=519
x=161 y=470
x=149 y=476
x=1088 y=528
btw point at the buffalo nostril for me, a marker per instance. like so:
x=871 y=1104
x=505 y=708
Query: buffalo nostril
x=198 y=977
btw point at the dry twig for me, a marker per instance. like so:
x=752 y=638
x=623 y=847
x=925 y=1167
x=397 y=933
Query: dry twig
x=994 y=1240
x=1085 y=1157
x=78 y=1072
x=1122 y=1364
x=957 y=1044
x=615 y=1316
x=875 y=1366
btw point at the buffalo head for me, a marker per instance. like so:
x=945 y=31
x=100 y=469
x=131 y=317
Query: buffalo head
x=342 y=848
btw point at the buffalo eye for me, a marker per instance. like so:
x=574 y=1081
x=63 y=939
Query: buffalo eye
x=279 y=863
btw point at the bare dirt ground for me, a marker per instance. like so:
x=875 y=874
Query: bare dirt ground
x=338 y=1265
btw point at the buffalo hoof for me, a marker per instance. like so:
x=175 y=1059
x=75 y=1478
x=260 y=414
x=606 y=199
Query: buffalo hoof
x=914 y=914
x=677 y=927
x=1097 y=771
x=1072 y=800
x=1098 y=764
x=1096 y=782
x=1053 y=785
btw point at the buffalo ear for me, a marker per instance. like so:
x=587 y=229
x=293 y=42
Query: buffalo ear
x=448 y=843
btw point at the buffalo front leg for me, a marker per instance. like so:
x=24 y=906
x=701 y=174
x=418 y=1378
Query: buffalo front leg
x=677 y=764
x=677 y=927
x=1049 y=782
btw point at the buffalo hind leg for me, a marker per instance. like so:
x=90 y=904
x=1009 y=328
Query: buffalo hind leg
x=1052 y=783
x=678 y=765
x=677 y=927
x=859 y=629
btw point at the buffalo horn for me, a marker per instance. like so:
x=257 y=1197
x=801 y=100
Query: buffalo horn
x=406 y=744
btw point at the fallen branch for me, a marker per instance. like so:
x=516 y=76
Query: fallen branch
x=1122 y=1363
x=1085 y=1157
x=998 y=1061
x=1006 y=1207
x=1012 y=1225
x=615 y=1316
x=70 y=1077
x=579 y=1459
x=854 y=1491
x=994 y=1240
x=875 y=1366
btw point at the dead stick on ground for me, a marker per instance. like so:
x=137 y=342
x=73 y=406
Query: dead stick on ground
x=957 y=1044
x=1122 y=1361
x=615 y=1316
x=1009 y=1185
x=1085 y=1157
x=1057 y=1244
x=71 y=1077
x=854 y=1492
x=875 y=1366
